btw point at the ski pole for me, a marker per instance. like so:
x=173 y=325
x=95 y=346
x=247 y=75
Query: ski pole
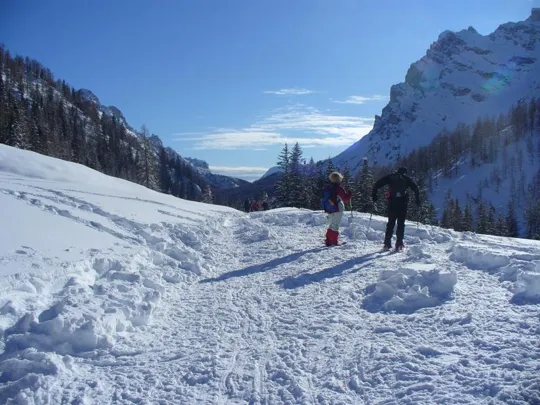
x=351 y=223
x=369 y=224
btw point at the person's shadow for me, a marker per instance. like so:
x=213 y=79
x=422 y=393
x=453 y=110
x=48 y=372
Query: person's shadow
x=309 y=278
x=259 y=268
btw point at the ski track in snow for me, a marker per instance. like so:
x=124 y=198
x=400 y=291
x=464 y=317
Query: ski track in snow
x=205 y=305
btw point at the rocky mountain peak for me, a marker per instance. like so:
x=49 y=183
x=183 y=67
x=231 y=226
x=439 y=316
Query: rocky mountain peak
x=88 y=96
x=535 y=15
x=463 y=75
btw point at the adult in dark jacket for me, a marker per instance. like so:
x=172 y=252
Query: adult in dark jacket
x=398 y=198
x=247 y=205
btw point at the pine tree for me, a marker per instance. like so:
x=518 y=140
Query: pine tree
x=165 y=179
x=482 y=223
x=310 y=187
x=431 y=215
x=468 y=225
x=447 y=220
x=500 y=226
x=457 y=216
x=147 y=173
x=283 y=188
x=208 y=196
x=347 y=182
x=320 y=183
x=362 y=197
x=532 y=217
x=425 y=212
x=511 y=221
x=3 y=107
x=330 y=168
x=78 y=140
x=491 y=220
x=297 y=184
x=16 y=125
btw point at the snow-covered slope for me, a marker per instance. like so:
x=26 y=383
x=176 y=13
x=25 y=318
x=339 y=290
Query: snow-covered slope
x=462 y=77
x=113 y=293
x=507 y=178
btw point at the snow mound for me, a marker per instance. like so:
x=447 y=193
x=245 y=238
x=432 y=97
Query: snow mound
x=409 y=289
x=33 y=165
x=518 y=270
x=512 y=270
x=528 y=288
x=479 y=258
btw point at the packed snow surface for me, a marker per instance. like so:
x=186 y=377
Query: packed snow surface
x=111 y=293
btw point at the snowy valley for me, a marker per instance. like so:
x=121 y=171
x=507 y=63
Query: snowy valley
x=41 y=113
x=114 y=293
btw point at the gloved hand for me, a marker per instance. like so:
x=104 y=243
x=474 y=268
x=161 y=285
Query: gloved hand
x=417 y=201
x=374 y=197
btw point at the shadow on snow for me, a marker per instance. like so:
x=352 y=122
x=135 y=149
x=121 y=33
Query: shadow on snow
x=259 y=268
x=335 y=271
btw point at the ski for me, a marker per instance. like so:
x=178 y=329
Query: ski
x=339 y=244
x=392 y=250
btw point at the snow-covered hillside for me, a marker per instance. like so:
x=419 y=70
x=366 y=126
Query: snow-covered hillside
x=113 y=293
x=462 y=77
x=507 y=178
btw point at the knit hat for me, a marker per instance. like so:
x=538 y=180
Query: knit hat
x=335 y=177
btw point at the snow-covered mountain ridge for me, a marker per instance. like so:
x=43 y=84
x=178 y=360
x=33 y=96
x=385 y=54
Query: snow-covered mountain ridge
x=111 y=110
x=215 y=180
x=114 y=293
x=463 y=76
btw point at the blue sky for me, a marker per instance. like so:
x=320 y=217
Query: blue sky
x=231 y=81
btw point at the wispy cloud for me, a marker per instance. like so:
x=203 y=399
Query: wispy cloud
x=249 y=173
x=189 y=133
x=297 y=123
x=295 y=91
x=361 y=99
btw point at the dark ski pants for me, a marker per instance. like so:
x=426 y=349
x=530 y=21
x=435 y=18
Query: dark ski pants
x=397 y=211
